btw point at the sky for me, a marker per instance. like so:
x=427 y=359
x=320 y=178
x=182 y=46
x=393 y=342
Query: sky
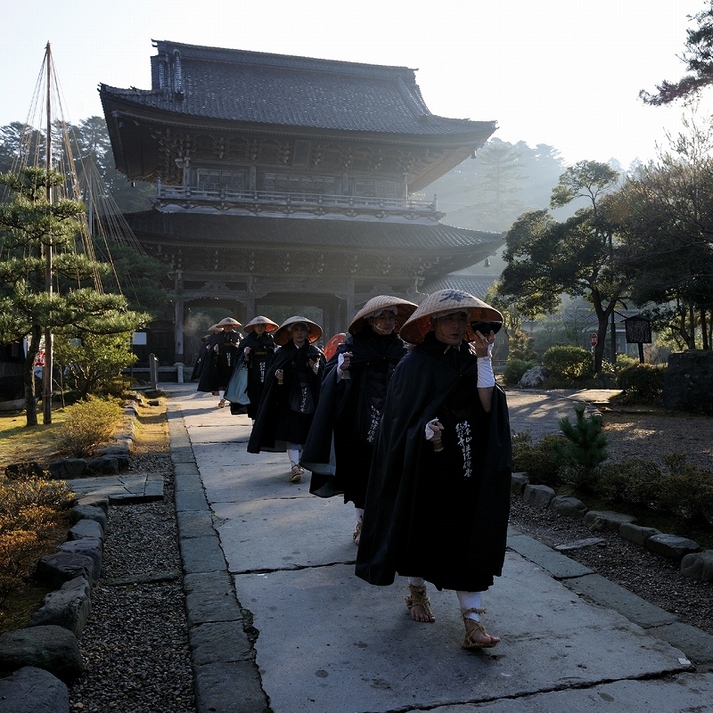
x=565 y=73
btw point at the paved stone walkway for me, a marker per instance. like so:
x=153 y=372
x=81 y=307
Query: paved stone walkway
x=277 y=617
x=121 y=489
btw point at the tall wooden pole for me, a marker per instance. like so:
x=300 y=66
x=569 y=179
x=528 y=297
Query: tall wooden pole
x=47 y=371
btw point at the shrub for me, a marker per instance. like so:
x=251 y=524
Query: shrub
x=15 y=495
x=94 y=364
x=514 y=369
x=29 y=509
x=521 y=346
x=641 y=383
x=680 y=488
x=624 y=360
x=539 y=460
x=88 y=425
x=688 y=493
x=586 y=444
x=633 y=480
x=567 y=364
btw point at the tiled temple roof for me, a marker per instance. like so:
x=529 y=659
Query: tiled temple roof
x=280 y=90
x=477 y=285
x=295 y=232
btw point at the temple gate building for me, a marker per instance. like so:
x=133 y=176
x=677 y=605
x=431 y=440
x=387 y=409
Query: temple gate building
x=289 y=184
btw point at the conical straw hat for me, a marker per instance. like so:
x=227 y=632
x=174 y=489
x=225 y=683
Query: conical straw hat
x=215 y=328
x=282 y=335
x=269 y=325
x=333 y=344
x=445 y=302
x=378 y=304
x=228 y=321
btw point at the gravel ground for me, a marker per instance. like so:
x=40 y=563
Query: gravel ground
x=135 y=645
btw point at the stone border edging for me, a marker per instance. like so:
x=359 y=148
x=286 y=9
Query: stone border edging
x=225 y=678
x=697 y=644
x=43 y=658
x=696 y=563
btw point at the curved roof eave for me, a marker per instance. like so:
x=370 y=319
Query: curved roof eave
x=459 y=131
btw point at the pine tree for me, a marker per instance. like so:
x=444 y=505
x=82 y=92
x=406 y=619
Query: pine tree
x=30 y=226
x=586 y=445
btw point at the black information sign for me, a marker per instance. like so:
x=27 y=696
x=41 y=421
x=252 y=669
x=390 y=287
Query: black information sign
x=638 y=330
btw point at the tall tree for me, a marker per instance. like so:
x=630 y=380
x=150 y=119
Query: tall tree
x=86 y=149
x=578 y=257
x=90 y=147
x=665 y=213
x=503 y=181
x=18 y=141
x=31 y=228
x=698 y=57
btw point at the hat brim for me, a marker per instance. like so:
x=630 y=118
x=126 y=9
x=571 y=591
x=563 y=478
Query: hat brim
x=404 y=309
x=269 y=325
x=419 y=324
x=282 y=334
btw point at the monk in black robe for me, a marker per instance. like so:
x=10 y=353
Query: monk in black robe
x=208 y=377
x=439 y=490
x=291 y=393
x=351 y=402
x=225 y=346
x=256 y=351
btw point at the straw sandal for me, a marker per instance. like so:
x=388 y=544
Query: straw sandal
x=417 y=599
x=357 y=532
x=296 y=473
x=475 y=629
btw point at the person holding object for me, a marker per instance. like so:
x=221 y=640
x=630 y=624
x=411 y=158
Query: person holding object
x=340 y=444
x=438 y=497
x=256 y=351
x=290 y=394
x=208 y=377
x=225 y=346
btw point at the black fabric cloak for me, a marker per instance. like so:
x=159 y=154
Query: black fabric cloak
x=208 y=380
x=228 y=343
x=423 y=517
x=277 y=422
x=202 y=352
x=262 y=348
x=340 y=445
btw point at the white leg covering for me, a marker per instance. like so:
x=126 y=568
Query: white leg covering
x=470 y=600
x=293 y=452
x=417 y=581
x=359 y=512
x=221 y=393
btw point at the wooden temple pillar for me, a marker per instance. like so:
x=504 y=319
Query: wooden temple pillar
x=332 y=319
x=351 y=302
x=178 y=325
x=249 y=300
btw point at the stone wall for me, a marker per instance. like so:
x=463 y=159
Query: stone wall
x=688 y=382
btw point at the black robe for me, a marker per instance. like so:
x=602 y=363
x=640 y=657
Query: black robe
x=208 y=380
x=441 y=516
x=227 y=343
x=285 y=412
x=340 y=445
x=262 y=348
x=202 y=352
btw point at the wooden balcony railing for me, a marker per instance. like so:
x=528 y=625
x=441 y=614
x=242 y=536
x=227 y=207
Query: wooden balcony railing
x=189 y=197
